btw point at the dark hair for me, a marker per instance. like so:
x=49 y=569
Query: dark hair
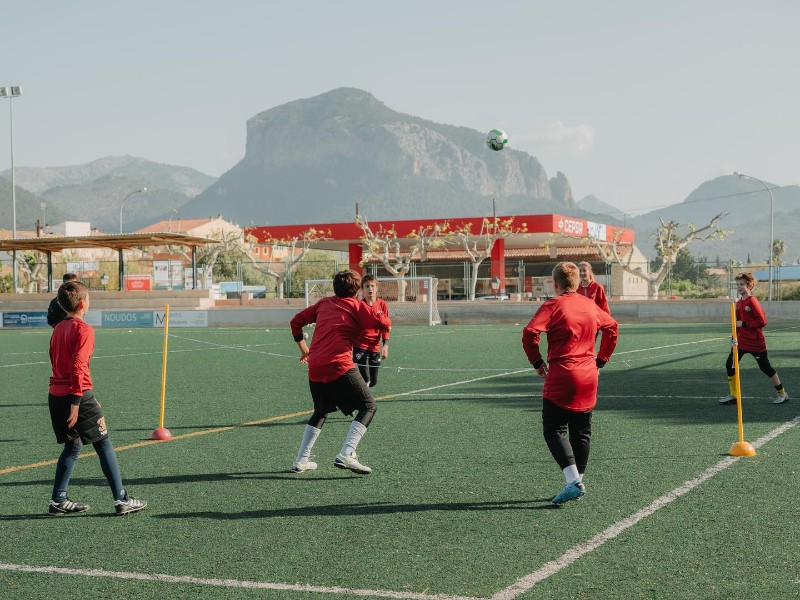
x=69 y=277
x=346 y=284
x=70 y=295
x=367 y=278
x=566 y=276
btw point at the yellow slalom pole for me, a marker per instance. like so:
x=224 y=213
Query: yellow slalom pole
x=162 y=433
x=740 y=448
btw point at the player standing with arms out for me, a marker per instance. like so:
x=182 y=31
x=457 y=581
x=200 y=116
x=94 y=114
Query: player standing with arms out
x=590 y=288
x=750 y=322
x=368 y=351
x=333 y=378
x=571 y=323
x=75 y=413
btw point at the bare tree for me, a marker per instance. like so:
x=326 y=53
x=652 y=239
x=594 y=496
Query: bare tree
x=226 y=240
x=479 y=246
x=34 y=265
x=298 y=247
x=385 y=245
x=671 y=236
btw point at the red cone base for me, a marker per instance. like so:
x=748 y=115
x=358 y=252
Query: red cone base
x=162 y=433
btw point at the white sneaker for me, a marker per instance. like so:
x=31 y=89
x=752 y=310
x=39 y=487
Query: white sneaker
x=302 y=467
x=129 y=505
x=780 y=398
x=350 y=462
x=727 y=400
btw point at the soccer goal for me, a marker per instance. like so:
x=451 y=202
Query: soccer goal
x=411 y=300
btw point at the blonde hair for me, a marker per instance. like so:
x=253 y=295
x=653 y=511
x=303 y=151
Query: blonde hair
x=566 y=276
x=588 y=266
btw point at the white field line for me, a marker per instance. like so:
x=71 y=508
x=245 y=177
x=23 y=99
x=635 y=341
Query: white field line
x=231 y=583
x=159 y=352
x=520 y=586
x=444 y=385
x=573 y=554
x=235 y=583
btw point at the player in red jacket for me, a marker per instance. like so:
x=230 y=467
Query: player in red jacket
x=333 y=378
x=750 y=322
x=590 y=288
x=372 y=346
x=571 y=322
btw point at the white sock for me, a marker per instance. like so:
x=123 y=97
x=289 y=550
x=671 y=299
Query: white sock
x=571 y=474
x=353 y=437
x=309 y=437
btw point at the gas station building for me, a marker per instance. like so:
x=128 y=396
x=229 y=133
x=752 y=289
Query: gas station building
x=522 y=262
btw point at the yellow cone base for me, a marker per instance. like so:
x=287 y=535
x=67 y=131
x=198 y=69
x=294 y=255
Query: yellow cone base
x=163 y=433
x=742 y=449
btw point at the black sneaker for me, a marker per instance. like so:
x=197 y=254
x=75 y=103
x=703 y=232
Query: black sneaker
x=129 y=505
x=66 y=507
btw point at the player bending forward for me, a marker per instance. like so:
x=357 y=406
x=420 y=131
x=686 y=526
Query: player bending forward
x=750 y=322
x=368 y=351
x=333 y=378
x=571 y=322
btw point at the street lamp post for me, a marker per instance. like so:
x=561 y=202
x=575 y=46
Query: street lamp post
x=771 y=226
x=12 y=92
x=144 y=189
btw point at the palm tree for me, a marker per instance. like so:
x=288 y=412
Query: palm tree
x=778 y=250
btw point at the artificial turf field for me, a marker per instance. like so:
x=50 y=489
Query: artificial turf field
x=458 y=503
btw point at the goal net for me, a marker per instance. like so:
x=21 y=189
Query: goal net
x=411 y=300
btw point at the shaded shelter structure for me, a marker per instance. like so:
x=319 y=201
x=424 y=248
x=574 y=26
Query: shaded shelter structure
x=119 y=242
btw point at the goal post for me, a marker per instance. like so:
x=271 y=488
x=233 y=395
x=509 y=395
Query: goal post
x=411 y=300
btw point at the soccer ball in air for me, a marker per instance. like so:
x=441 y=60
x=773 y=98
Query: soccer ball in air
x=496 y=139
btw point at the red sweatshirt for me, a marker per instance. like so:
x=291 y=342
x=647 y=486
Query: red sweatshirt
x=754 y=319
x=339 y=322
x=571 y=322
x=71 y=347
x=595 y=292
x=370 y=339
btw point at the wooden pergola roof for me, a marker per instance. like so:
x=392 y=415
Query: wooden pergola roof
x=121 y=241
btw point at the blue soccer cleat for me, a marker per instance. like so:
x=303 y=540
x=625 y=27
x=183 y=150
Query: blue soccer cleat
x=571 y=491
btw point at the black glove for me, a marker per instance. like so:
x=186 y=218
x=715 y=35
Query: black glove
x=600 y=363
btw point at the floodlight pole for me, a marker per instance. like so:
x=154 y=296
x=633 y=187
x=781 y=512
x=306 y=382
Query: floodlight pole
x=771 y=227
x=123 y=204
x=12 y=92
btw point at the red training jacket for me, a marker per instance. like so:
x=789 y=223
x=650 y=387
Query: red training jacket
x=71 y=348
x=370 y=339
x=339 y=322
x=571 y=323
x=754 y=319
x=595 y=292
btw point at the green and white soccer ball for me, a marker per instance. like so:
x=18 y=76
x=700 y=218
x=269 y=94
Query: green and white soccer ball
x=496 y=139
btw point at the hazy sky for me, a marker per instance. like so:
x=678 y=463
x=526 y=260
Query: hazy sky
x=636 y=102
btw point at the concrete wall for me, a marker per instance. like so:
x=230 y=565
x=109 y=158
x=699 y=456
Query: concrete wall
x=674 y=311
x=685 y=311
x=155 y=299
x=279 y=312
